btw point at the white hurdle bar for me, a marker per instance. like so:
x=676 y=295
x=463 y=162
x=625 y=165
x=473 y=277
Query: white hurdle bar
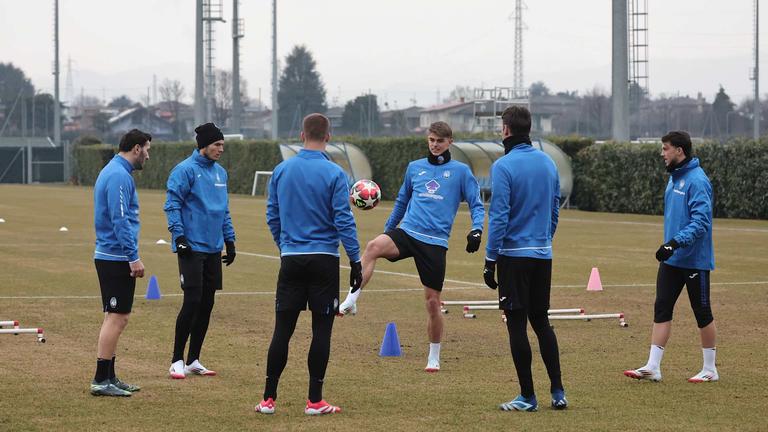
x=14 y=324
x=469 y=302
x=16 y=331
x=468 y=308
x=620 y=316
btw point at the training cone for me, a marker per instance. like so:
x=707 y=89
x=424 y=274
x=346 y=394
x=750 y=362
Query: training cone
x=2 y=220
x=594 y=283
x=153 y=289
x=390 y=346
x=161 y=242
x=63 y=229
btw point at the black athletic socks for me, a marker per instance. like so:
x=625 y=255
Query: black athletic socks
x=102 y=369
x=315 y=389
x=112 y=368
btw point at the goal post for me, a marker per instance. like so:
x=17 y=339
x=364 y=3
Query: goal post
x=256 y=175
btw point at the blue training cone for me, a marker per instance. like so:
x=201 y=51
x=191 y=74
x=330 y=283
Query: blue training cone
x=390 y=346
x=153 y=289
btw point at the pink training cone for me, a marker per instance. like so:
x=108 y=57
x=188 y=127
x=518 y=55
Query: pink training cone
x=594 y=283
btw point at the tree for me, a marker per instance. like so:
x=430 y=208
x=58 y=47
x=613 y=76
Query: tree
x=361 y=116
x=121 y=102
x=171 y=93
x=301 y=90
x=538 y=89
x=597 y=109
x=720 y=109
x=460 y=92
x=14 y=86
x=222 y=101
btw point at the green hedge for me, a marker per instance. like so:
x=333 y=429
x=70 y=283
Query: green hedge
x=630 y=178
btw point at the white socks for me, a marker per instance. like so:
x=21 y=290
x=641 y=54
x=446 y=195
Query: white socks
x=654 y=357
x=709 y=358
x=434 y=352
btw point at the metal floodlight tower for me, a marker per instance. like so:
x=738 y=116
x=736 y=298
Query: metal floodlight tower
x=619 y=72
x=212 y=12
x=639 y=71
x=756 y=77
x=199 y=66
x=518 y=82
x=274 y=70
x=237 y=34
x=56 y=96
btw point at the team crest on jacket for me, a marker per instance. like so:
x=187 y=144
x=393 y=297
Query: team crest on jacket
x=682 y=183
x=446 y=173
x=432 y=186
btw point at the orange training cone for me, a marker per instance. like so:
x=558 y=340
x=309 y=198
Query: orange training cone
x=594 y=283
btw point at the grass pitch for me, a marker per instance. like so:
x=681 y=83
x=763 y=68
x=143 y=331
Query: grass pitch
x=47 y=279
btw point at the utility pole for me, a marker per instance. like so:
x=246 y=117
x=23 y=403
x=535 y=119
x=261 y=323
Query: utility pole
x=199 y=83
x=620 y=72
x=275 y=106
x=237 y=34
x=56 y=96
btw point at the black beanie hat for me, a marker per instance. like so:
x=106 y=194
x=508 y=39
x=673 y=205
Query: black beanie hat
x=207 y=134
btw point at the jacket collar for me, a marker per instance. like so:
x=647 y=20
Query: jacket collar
x=124 y=162
x=202 y=160
x=513 y=141
x=313 y=154
x=692 y=163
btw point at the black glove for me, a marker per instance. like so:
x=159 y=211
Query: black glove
x=666 y=250
x=182 y=247
x=489 y=274
x=229 y=258
x=355 y=275
x=473 y=240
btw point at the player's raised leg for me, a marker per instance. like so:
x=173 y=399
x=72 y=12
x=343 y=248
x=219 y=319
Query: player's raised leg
x=380 y=247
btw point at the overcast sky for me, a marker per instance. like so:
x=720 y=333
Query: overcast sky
x=399 y=49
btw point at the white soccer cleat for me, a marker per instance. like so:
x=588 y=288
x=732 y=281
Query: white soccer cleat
x=177 y=369
x=704 y=376
x=644 y=374
x=432 y=366
x=196 y=368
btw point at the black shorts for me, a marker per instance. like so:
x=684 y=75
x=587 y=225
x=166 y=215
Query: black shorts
x=308 y=279
x=117 y=285
x=524 y=283
x=669 y=285
x=430 y=259
x=199 y=271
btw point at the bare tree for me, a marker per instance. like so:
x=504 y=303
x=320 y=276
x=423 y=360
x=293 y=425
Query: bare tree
x=171 y=93
x=222 y=106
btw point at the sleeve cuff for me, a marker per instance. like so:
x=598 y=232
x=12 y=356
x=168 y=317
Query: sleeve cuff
x=354 y=258
x=491 y=256
x=133 y=258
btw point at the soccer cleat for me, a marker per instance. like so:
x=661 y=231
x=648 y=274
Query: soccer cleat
x=432 y=366
x=704 y=376
x=644 y=374
x=265 y=406
x=559 y=401
x=521 y=403
x=349 y=305
x=124 y=386
x=196 y=368
x=320 y=408
x=106 y=388
x=177 y=369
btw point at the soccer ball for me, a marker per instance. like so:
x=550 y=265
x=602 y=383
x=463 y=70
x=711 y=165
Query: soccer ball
x=365 y=194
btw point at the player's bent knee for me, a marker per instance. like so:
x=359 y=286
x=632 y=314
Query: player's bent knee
x=703 y=316
x=662 y=312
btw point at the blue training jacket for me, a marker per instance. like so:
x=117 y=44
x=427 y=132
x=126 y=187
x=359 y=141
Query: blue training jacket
x=308 y=207
x=688 y=217
x=116 y=212
x=429 y=199
x=525 y=204
x=197 y=204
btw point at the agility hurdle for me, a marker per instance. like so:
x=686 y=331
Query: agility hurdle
x=550 y=311
x=16 y=330
x=588 y=317
x=14 y=324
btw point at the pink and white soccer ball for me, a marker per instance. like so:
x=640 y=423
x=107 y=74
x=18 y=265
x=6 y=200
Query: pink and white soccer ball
x=365 y=194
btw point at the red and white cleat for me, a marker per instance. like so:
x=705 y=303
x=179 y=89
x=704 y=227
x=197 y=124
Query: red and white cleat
x=320 y=408
x=196 y=368
x=704 y=376
x=265 y=407
x=644 y=374
x=177 y=369
x=432 y=366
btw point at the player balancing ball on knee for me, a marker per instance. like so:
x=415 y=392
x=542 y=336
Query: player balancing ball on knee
x=365 y=194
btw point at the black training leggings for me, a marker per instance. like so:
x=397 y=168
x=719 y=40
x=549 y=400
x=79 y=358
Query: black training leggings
x=192 y=322
x=317 y=359
x=521 y=348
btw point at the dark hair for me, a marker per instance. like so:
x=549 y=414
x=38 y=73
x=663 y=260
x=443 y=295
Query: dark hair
x=316 y=126
x=679 y=139
x=518 y=119
x=132 y=138
x=441 y=129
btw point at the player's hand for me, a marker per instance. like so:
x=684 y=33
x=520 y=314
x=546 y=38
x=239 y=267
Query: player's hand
x=489 y=274
x=229 y=258
x=666 y=250
x=355 y=275
x=137 y=269
x=473 y=240
x=182 y=247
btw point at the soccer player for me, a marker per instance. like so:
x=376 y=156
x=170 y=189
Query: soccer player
x=308 y=213
x=197 y=209
x=116 y=219
x=425 y=208
x=685 y=258
x=522 y=218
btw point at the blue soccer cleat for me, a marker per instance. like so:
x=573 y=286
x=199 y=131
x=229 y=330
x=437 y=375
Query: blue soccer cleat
x=559 y=401
x=521 y=403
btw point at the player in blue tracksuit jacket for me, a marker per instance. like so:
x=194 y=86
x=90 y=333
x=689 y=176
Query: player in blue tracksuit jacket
x=425 y=208
x=686 y=257
x=522 y=219
x=308 y=214
x=197 y=209
x=116 y=219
